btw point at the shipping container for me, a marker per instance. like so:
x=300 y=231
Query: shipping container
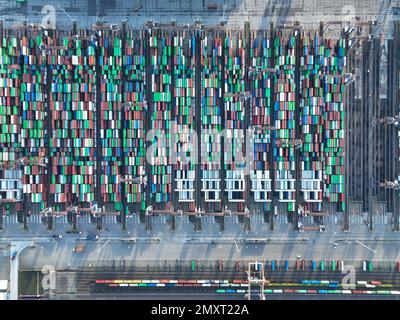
x=34 y=116
x=134 y=133
x=211 y=117
x=234 y=114
x=311 y=120
x=111 y=108
x=334 y=63
x=72 y=110
x=10 y=118
x=184 y=72
x=161 y=118
x=261 y=81
x=284 y=108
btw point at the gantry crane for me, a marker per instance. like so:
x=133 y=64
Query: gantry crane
x=35 y=161
x=94 y=210
x=130 y=104
x=99 y=26
x=74 y=210
x=24 y=161
x=305 y=212
x=135 y=180
x=243 y=96
x=47 y=49
x=197 y=213
x=49 y=213
x=395 y=185
x=349 y=77
x=256 y=277
x=391 y=120
x=284 y=143
x=98 y=213
x=256 y=71
x=259 y=128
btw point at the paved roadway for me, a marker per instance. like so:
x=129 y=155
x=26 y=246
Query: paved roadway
x=59 y=253
x=184 y=244
x=225 y=297
x=259 y=12
x=14 y=266
x=151 y=296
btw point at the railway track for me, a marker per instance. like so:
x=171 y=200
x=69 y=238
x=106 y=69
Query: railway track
x=85 y=279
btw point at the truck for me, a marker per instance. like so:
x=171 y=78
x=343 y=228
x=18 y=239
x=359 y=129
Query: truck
x=314 y=265
x=79 y=248
x=3 y=285
x=298 y=265
x=370 y=266
x=193 y=265
x=13 y=255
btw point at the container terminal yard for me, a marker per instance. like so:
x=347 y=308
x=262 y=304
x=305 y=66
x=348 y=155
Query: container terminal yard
x=250 y=151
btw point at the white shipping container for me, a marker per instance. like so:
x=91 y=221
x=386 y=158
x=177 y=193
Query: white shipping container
x=3 y=285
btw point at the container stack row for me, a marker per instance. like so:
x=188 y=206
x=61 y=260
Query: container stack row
x=184 y=103
x=284 y=115
x=261 y=106
x=72 y=108
x=161 y=119
x=33 y=101
x=84 y=113
x=111 y=106
x=334 y=77
x=234 y=109
x=62 y=87
x=134 y=133
x=10 y=117
x=211 y=118
x=311 y=120
x=60 y=99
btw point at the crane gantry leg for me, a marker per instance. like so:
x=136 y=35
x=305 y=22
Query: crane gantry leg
x=256 y=277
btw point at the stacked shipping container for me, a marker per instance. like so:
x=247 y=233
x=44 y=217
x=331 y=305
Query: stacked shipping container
x=72 y=111
x=134 y=133
x=72 y=108
x=334 y=63
x=110 y=62
x=261 y=82
x=10 y=117
x=311 y=120
x=234 y=90
x=284 y=90
x=33 y=93
x=161 y=169
x=211 y=120
x=184 y=104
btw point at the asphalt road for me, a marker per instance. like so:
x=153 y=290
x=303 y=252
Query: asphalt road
x=223 y=297
x=258 y=12
x=59 y=253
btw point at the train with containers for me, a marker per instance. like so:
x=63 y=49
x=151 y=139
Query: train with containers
x=173 y=119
